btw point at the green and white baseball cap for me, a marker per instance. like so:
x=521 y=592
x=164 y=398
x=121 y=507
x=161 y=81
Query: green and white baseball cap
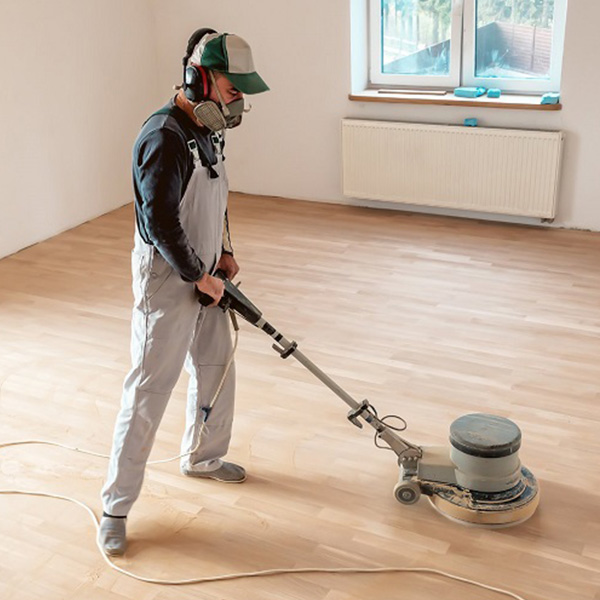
x=229 y=54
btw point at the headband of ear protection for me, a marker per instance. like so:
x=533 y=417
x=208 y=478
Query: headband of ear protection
x=196 y=82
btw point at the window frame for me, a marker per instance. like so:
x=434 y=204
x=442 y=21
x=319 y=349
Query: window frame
x=551 y=84
x=462 y=55
x=377 y=77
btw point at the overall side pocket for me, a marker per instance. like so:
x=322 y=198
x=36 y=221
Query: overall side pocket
x=158 y=270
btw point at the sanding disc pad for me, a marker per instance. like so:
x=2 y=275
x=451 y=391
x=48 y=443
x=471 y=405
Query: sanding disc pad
x=502 y=509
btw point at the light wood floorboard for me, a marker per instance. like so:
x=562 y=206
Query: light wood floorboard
x=428 y=317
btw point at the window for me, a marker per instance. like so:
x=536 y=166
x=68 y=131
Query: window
x=514 y=45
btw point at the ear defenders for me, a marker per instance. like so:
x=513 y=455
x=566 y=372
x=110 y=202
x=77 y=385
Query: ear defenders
x=196 y=83
x=196 y=80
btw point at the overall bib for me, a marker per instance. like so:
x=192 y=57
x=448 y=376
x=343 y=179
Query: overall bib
x=170 y=329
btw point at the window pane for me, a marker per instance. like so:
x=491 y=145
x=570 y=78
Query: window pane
x=416 y=37
x=514 y=38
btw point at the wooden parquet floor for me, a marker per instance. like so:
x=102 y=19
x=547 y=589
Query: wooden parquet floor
x=427 y=317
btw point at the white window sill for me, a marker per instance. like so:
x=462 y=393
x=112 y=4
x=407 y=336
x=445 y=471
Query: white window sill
x=513 y=101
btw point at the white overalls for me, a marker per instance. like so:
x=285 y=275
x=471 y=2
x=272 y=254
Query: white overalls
x=169 y=329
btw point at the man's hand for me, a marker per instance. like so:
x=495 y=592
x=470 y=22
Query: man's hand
x=212 y=286
x=228 y=265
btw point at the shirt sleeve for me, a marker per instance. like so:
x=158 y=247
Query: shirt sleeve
x=161 y=164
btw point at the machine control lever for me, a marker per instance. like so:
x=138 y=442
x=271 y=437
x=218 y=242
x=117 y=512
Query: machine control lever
x=353 y=414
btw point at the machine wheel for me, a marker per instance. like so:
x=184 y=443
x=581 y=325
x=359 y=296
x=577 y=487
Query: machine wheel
x=407 y=492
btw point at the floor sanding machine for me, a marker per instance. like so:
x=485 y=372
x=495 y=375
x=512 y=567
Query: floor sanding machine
x=479 y=481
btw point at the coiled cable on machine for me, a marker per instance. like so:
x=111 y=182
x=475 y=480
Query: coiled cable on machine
x=385 y=424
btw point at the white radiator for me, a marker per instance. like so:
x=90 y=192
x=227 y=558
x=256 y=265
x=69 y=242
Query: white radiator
x=506 y=171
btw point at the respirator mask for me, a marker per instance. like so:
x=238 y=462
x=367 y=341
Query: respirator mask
x=217 y=117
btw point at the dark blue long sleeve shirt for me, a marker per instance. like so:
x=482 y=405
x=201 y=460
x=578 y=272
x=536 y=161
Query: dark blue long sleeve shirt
x=162 y=167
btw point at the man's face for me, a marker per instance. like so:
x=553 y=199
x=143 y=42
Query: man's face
x=226 y=89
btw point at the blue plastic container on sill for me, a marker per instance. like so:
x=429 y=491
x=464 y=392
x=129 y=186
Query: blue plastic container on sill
x=469 y=92
x=551 y=98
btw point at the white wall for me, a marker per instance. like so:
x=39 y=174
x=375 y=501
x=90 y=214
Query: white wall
x=77 y=80
x=290 y=144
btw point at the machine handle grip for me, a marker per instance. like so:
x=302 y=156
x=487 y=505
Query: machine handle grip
x=233 y=299
x=207 y=299
x=203 y=298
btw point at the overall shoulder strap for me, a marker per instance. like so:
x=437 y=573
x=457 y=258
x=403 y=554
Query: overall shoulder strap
x=195 y=149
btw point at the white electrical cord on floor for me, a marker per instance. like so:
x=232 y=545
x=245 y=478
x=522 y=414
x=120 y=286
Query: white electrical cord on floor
x=152 y=462
x=229 y=576
x=265 y=572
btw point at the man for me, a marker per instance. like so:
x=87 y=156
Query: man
x=181 y=238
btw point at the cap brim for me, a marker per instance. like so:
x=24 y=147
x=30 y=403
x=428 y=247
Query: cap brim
x=248 y=83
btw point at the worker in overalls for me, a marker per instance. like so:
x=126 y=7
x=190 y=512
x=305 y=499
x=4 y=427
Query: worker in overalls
x=181 y=239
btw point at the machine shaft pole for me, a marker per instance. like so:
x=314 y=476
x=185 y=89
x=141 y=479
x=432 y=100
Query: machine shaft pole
x=288 y=348
x=404 y=449
x=330 y=383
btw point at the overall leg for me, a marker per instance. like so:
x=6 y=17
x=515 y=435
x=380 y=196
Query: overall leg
x=164 y=316
x=209 y=353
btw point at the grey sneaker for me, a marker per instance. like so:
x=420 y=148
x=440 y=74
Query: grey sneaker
x=111 y=536
x=227 y=472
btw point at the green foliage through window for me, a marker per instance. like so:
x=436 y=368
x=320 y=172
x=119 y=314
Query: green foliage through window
x=524 y=12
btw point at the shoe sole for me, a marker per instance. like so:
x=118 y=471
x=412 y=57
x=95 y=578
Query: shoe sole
x=114 y=552
x=109 y=552
x=206 y=476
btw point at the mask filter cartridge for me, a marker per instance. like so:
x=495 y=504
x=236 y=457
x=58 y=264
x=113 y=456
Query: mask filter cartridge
x=210 y=115
x=216 y=118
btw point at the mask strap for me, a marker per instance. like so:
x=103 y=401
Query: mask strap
x=222 y=102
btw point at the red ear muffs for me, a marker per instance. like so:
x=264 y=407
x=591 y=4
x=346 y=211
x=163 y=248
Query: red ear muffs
x=196 y=84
